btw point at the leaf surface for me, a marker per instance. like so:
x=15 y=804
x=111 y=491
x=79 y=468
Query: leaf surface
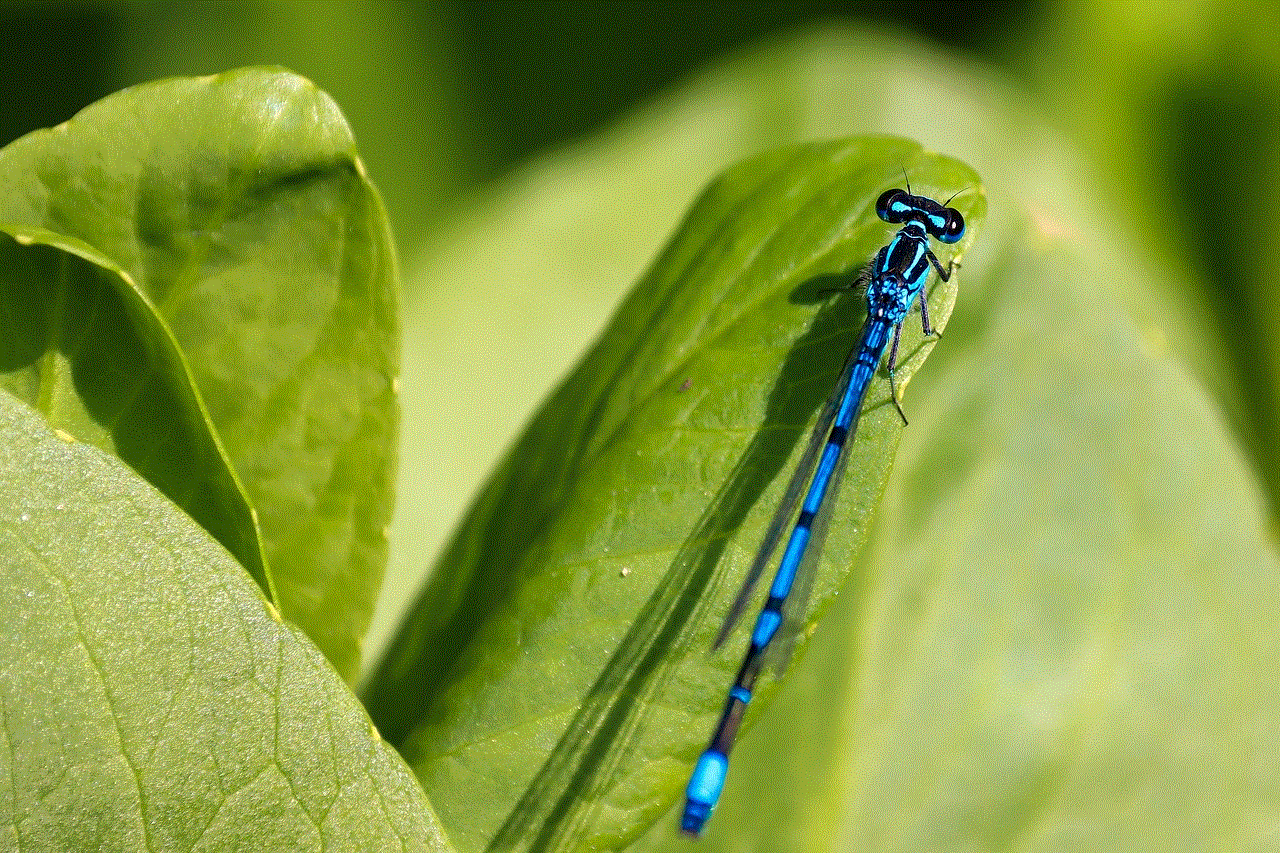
x=203 y=284
x=149 y=698
x=557 y=666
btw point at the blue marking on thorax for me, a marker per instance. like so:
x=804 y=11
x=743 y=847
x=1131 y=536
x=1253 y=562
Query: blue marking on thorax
x=900 y=272
x=905 y=251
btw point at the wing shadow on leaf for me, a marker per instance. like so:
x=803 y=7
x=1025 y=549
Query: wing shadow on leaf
x=587 y=759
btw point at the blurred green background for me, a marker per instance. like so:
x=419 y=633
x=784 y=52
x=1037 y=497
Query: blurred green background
x=463 y=110
x=443 y=97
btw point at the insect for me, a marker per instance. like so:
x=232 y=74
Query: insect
x=894 y=279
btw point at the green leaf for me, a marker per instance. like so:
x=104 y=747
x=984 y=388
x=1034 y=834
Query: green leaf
x=149 y=698
x=205 y=287
x=1062 y=637
x=556 y=665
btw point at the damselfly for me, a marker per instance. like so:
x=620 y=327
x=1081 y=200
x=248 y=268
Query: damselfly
x=894 y=280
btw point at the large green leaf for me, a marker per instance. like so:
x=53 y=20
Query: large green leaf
x=1060 y=639
x=1063 y=637
x=150 y=700
x=205 y=286
x=557 y=663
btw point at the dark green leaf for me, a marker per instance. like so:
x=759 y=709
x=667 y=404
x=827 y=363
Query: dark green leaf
x=558 y=660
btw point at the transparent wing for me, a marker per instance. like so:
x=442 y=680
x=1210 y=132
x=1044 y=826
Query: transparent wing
x=796 y=607
x=783 y=517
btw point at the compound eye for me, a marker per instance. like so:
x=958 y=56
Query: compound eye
x=884 y=205
x=954 y=228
